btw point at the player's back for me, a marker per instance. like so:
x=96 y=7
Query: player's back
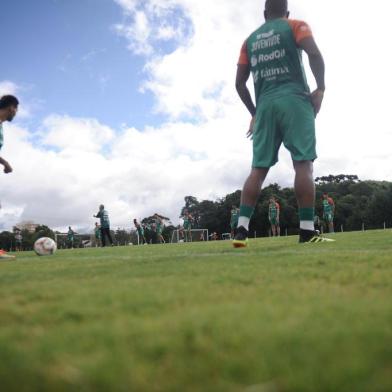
x=275 y=58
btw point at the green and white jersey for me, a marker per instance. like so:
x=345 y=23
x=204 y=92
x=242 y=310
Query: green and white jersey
x=275 y=59
x=327 y=206
x=70 y=235
x=97 y=232
x=234 y=216
x=187 y=222
x=273 y=210
x=104 y=219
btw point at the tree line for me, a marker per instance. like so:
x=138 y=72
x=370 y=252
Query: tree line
x=357 y=203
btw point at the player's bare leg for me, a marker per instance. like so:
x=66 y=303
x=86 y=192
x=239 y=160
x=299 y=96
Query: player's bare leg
x=304 y=184
x=250 y=194
x=252 y=187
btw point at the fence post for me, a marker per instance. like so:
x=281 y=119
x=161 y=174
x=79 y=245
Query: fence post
x=385 y=226
x=341 y=228
x=363 y=226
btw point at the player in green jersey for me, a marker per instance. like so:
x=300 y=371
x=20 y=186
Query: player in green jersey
x=140 y=232
x=103 y=216
x=158 y=219
x=97 y=234
x=8 y=109
x=234 y=215
x=273 y=216
x=70 y=237
x=285 y=110
x=187 y=227
x=328 y=211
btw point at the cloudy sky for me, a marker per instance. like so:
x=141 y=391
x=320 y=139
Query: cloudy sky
x=131 y=103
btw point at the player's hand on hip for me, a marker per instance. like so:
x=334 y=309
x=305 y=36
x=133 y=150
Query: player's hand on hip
x=251 y=126
x=317 y=97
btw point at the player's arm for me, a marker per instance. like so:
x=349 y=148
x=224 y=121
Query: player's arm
x=317 y=66
x=243 y=73
x=7 y=166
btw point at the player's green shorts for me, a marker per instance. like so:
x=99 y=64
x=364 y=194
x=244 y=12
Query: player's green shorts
x=274 y=220
x=234 y=224
x=187 y=226
x=288 y=119
x=328 y=217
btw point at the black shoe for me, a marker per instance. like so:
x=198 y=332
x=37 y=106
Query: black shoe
x=241 y=238
x=312 y=236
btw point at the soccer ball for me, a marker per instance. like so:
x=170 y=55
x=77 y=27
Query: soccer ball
x=45 y=246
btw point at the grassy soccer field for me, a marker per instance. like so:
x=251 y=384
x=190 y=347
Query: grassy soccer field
x=277 y=316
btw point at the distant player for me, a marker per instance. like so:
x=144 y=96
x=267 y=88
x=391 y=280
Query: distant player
x=234 y=215
x=328 y=211
x=103 y=216
x=158 y=219
x=274 y=216
x=18 y=240
x=187 y=233
x=97 y=234
x=8 y=109
x=140 y=232
x=70 y=238
x=285 y=110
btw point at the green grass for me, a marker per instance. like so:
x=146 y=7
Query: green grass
x=277 y=316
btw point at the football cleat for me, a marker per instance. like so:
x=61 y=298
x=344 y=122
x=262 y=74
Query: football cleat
x=241 y=238
x=312 y=237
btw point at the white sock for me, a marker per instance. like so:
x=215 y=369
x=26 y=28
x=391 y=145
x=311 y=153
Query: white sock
x=306 y=225
x=243 y=221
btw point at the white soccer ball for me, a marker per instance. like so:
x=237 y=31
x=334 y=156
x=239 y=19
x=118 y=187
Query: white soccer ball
x=45 y=246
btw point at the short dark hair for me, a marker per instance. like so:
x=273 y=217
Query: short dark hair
x=276 y=7
x=7 y=101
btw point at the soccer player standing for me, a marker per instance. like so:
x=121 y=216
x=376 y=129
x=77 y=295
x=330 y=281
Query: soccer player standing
x=97 y=233
x=328 y=211
x=140 y=232
x=285 y=110
x=103 y=216
x=70 y=237
x=273 y=216
x=234 y=215
x=8 y=109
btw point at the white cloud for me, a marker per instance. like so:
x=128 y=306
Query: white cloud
x=66 y=133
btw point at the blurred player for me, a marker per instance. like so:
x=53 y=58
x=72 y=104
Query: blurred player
x=97 y=234
x=234 y=215
x=70 y=237
x=187 y=233
x=274 y=216
x=103 y=216
x=8 y=109
x=328 y=211
x=140 y=232
x=159 y=227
